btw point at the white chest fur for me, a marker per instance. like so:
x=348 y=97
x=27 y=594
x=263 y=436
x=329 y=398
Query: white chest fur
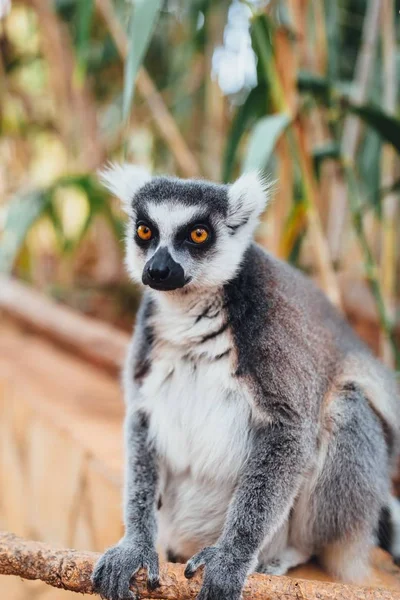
x=199 y=416
x=198 y=410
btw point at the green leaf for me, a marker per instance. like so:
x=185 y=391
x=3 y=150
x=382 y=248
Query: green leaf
x=23 y=211
x=250 y=111
x=262 y=35
x=332 y=21
x=98 y=200
x=369 y=169
x=330 y=150
x=144 y=14
x=262 y=141
x=84 y=17
x=314 y=84
x=386 y=125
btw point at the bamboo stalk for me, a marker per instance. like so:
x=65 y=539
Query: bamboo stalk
x=353 y=126
x=370 y=265
x=214 y=105
x=71 y=570
x=390 y=203
x=163 y=119
x=301 y=153
x=76 y=114
x=318 y=240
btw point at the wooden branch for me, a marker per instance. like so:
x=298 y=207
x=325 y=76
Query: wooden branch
x=98 y=342
x=71 y=570
x=162 y=117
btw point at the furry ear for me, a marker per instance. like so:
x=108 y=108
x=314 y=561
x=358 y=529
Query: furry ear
x=247 y=198
x=124 y=180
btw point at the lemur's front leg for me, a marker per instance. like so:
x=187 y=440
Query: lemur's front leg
x=260 y=505
x=113 y=572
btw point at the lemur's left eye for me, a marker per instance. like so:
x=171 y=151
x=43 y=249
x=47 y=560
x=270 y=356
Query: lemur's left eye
x=199 y=235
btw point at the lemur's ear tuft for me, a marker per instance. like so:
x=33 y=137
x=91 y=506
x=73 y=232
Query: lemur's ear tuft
x=248 y=197
x=124 y=180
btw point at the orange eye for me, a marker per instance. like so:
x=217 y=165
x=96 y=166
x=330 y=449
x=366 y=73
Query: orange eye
x=144 y=232
x=199 y=235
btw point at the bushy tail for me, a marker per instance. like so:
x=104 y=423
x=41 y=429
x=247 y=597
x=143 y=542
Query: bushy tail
x=389 y=528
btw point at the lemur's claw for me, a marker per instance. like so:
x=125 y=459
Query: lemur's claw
x=115 y=569
x=224 y=575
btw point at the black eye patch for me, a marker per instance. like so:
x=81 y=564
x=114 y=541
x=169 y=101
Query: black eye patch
x=142 y=218
x=184 y=240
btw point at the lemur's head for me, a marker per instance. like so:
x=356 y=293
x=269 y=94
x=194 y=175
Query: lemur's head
x=185 y=233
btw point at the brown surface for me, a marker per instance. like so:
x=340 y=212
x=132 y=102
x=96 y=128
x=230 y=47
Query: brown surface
x=71 y=570
x=77 y=398
x=92 y=339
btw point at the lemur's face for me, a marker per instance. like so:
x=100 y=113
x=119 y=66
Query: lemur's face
x=184 y=233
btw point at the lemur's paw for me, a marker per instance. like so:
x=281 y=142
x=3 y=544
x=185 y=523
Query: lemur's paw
x=224 y=574
x=274 y=567
x=115 y=569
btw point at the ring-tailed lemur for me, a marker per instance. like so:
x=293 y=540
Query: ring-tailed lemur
x=259 y=429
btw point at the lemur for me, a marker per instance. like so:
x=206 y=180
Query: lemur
x=260 y=431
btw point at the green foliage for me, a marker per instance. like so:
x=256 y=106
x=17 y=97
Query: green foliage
x=330 y=150
x=143 y=18
x=262 y=141
x=84 y=16
x=24 y=210
x=176 y=46
x=246 y=116
x=387 y=126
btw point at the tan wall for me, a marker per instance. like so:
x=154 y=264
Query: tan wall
x=55 y=480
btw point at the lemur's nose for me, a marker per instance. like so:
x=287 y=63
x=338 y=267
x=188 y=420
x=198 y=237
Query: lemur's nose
x=162 y=272
x=159 y=273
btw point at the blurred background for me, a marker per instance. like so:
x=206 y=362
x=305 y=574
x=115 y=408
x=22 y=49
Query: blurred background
x=305 y=90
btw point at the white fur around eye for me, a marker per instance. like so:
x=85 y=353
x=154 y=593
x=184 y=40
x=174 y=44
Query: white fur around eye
x=124 y=180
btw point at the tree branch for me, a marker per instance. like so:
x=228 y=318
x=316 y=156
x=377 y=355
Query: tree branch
x=71 y=570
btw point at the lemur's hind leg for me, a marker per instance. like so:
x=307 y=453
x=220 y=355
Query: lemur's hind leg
x=277 y=557
x=288 y=559
x=351 y=488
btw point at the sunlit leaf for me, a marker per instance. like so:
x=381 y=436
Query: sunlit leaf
x=144 y=14
x=23 y=212
x=263 y=140
x=99 y=204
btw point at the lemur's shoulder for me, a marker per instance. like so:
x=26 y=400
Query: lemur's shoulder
x=279 y=292
x=288 y=336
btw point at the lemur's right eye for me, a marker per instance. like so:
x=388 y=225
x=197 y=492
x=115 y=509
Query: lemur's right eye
x=199 y=235
x=144 y=232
